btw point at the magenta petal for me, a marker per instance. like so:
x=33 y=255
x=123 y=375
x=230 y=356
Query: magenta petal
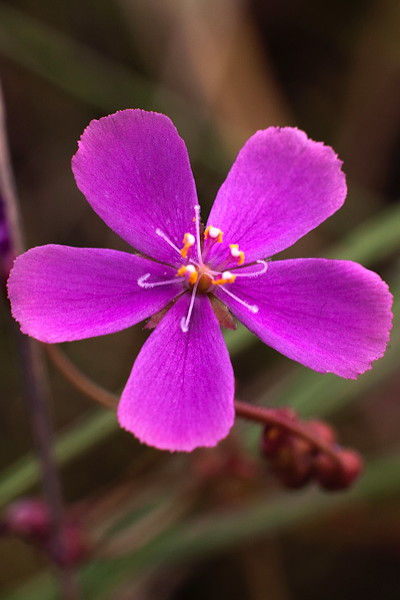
x=180 y=393
x=281 y=186
x=134 y=170
x=60 y=294
x=330 y=315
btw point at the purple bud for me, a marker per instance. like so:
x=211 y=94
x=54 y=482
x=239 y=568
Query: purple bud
x=74 y=546
x=28 y=518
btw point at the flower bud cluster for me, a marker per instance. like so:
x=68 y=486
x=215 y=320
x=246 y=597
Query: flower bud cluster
x=310 y=453
x=29 y=519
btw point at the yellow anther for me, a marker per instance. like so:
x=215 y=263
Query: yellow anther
x=226 y=277
x=193 y=277
x=188 y=242
x=188 y=271
x=236 y=253
x=181 y=272
x=214 y=233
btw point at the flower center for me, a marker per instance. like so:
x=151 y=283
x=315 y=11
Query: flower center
x=198 y=276
x=203 y=277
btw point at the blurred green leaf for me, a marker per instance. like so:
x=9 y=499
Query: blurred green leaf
x=81 y=436
x=73 y=66
x=220 y=531
x=101 y=82
x=372 y=241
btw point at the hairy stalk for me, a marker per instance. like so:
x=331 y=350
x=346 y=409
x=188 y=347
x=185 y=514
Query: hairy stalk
x=34 y=382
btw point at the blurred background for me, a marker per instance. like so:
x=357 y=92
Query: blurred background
x=215 y=523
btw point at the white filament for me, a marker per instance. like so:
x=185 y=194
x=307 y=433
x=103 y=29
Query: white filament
x=166 y=239
x=251 y=307
x=143 y=283
x=254 y=273
x=186 y=320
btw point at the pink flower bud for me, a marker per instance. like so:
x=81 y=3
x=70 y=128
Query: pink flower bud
x=293 y=463
x=322 y=430
x=334 y=476
x=28 y=518
x=74 y=546
x=273 y=438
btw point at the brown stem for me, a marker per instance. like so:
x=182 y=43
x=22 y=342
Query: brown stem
x=78 y=379
x=270 y=416
x=33 y=377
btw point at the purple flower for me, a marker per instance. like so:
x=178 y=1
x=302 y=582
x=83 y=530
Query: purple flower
x=332 y=316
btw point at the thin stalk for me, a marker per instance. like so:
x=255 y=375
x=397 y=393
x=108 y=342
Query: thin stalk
x=251 y=412
x=34 y=381
x=78 y=379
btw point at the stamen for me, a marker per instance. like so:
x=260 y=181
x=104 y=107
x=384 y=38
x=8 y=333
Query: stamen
x=186 y=320
x=263 y=270
x=214 y=233
x=166 y=239
x=143 y=283
x=251 y=307
x=226 y=277
x=188 y=242
x=189 y=272
x=236 y=253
